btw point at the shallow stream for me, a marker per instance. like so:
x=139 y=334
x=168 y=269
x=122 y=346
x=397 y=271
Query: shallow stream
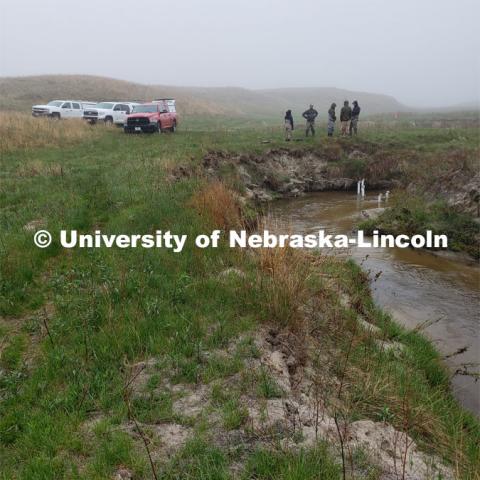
x=415 y=286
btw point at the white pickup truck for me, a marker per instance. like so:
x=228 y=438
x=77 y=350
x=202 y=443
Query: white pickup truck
x=62 y=109
x=109 y=112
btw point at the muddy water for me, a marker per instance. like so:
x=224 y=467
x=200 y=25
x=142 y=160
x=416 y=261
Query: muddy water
x=415 y=286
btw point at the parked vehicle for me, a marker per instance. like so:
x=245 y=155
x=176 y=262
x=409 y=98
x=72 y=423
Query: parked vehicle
x=157 y=116
x=169 y=104
x=62 y=109
x=109 y=112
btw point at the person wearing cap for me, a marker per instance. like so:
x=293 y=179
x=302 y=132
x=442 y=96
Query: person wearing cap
x=354 y=120
x=288 y=125
x=332 y=118
x=345 y=116
x=310 y=115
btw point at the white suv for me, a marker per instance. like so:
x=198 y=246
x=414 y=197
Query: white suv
x=61 y=109
x=109 y=112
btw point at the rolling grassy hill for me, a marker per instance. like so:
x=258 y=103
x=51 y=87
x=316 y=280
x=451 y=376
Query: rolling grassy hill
x=20 y=93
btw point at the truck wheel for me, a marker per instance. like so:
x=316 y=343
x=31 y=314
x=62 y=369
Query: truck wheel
x=56 y=116
x=173 y=128
x=108 y=120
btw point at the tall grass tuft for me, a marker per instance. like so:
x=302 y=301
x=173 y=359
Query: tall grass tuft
x=218 y=205
x=284 y=275
x=19 y=131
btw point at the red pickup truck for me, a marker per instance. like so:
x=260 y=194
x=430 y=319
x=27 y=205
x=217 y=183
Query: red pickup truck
x=157 y=116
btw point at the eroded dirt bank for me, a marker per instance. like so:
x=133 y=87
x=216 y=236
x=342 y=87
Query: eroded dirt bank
x=285 y=172
x=433 y=191
x=289 y=173
x=292 y=408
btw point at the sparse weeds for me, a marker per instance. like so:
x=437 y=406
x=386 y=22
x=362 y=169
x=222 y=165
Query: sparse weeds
x=234 y=414
x=267 y=387
x=220 y=366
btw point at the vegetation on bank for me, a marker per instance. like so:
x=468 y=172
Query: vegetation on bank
x=76 y=325
x=411 y=214
x=436 y=166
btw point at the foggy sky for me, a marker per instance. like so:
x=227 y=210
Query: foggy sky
x=423 y=52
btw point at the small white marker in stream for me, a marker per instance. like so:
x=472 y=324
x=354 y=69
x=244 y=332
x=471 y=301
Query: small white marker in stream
x=363 y=187
x=380 y=198
x=387 y=193
x=358 y=187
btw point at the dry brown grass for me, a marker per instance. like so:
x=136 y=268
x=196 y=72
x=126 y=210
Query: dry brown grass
x=19 y=93
x=284 y=275
x=218 y=205
x=34 y=168
x=284 y=278
x=20 y=131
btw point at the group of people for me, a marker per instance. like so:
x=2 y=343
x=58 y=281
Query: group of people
x=348 y=120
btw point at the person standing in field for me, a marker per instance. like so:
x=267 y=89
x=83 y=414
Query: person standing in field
x=354 y=120
x=288 y=125
x=345 y=116
x=310 y=115
x=332 y=118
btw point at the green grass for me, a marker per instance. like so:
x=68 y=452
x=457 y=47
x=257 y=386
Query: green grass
x=12 y=353
x=111 y=306
x=115 y=307
x=198 y=460
x=304 y=465
x=234 y=414
x=266 y=386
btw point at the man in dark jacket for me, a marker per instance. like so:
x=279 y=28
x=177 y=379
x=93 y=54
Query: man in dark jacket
x=310 y=115
x=331 y=120
x=354 y=120
x=345 y=116
x=288 y=125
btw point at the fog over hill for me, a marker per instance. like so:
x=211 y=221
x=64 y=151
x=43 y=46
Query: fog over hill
x=20 y=93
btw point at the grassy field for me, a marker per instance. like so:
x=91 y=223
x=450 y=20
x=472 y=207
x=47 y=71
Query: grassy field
x=77 y=327
x=21 y=131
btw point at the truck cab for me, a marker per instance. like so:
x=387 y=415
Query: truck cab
x=156 y=116
x=61 y=109
x=109 y=112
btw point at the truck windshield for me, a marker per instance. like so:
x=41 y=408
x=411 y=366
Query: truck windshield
x=144 y=108
x=55 y=103
x=105 y=105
